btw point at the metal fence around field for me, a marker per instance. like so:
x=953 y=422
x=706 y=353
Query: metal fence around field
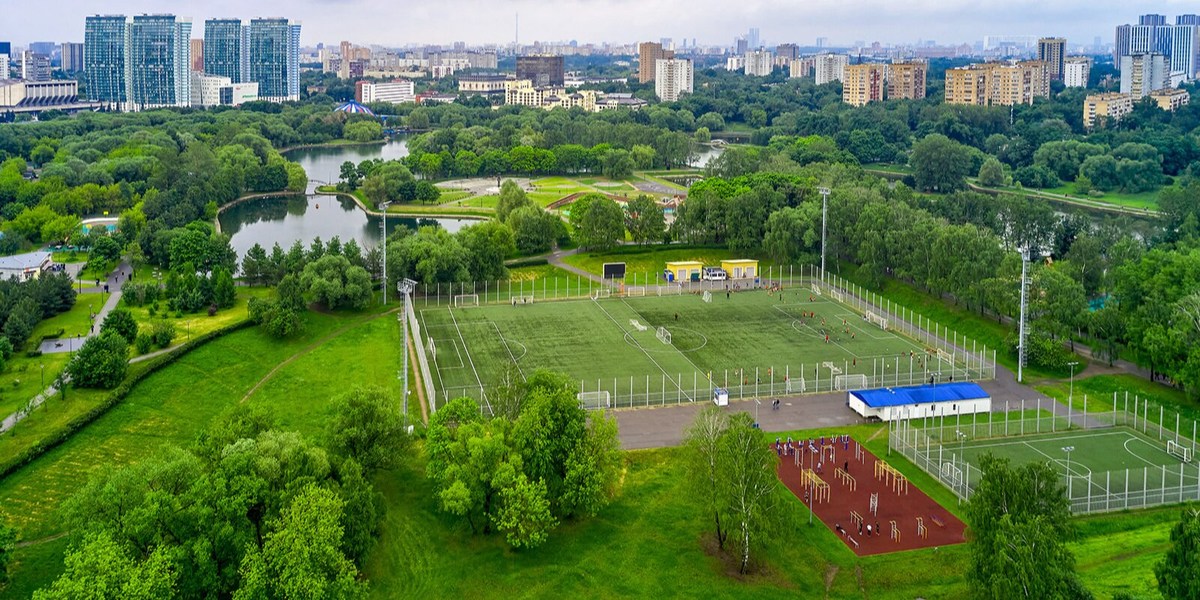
x=935 y=444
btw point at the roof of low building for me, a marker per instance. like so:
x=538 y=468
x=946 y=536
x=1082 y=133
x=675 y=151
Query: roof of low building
x=921 y=394
x=20 y=262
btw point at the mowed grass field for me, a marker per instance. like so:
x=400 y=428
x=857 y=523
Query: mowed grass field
x=1095 y=453
x=751 y=341
x=295 y=380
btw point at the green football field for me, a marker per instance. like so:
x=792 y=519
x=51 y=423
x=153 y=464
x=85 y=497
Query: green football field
x=1109 y=468
x=749 y=342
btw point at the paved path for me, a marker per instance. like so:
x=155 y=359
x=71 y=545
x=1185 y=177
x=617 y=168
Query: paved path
x=115 y=281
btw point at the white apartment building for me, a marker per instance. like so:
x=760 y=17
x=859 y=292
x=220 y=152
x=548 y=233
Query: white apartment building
x=1076 y=70
x=395 y=92
x=672 y=78
x=830 y=67
x=758 y=63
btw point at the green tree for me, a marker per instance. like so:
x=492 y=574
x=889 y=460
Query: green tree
x=224 y=293
x=599 y=222
x=792 y=232
x=1178 y=573
x=102 y=569
x=302 y=557
x=534 y=229
x=644 y=219
x=748 y=481
x=121 y=321
x=940 y=164
x=703 y=442
x=487 y=244
x=21 y=321
x=1021 y=521
x=368 y=427
x=991 y=174
x=512 y=197
x=524 y=515
x=333 y=282
x=101 y=362
x=362 y=131
x=8 y=542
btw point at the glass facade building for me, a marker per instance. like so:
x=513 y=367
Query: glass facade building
x=160 y=55
x=223 y=55
x=272 y=48
x=104 y=57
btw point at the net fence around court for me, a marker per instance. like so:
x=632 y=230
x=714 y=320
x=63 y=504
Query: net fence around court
x=1120 y=455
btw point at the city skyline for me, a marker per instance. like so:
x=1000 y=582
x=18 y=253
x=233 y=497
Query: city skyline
x=586 y=21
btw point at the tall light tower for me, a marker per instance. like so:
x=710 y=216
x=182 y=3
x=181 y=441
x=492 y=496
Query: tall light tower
x=824 y=191
x=383 y=246
x=1071 y=394
x=1021 y=332
x=405 y=288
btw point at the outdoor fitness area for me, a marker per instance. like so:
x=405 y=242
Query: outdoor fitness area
x=1108 y=461
x=637 y=350
x=864 y=500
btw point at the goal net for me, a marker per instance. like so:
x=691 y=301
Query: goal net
x=816 y=289
x=664 y=336
x=669 y=290
x=796 y=386
x=466 y=300
x=946 y=356
x=707 y=296
x=594 y=400
x=432 y=348
x=951 y=474
x=519 y=300
x=601 y=293
x=635 y=291
x=836 y=295
x=877 y=320
x=1183 y=452
x=636 y=324
x=850 y=382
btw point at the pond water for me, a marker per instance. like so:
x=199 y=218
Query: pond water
x=705 y=153
x=268 y=221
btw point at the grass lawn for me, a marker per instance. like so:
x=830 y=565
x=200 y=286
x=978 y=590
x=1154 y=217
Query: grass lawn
x=1099 y=392
x=172 y=406
x=1139 y=200
x=77 y=321
x=196 y=324
x=452 y=196
x=68 y=256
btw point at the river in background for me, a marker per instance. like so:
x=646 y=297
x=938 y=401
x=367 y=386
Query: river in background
x=268 y=221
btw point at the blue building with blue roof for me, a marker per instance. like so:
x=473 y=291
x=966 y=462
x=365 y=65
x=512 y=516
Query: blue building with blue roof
x=888 y=404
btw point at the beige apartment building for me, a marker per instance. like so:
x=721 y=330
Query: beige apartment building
x=906 y=80
x=649 y=53
x=998 y=84
x=1170 y=99
x=1100 y=108
x=862 y=84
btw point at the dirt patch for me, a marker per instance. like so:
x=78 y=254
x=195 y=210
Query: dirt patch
x=903 y=505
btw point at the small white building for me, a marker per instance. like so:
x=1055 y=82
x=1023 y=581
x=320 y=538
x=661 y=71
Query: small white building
x=24 y=266
x=889 y=404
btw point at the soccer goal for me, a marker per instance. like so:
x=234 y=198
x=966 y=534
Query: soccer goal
x=850 y=382
x=1183 y=452
x=951 y=474
x=603 y=292
x=946 y=356
x=520 y=300
x=636 y=324
x=635 y=291
x=466 y=300
x=664 y=336
x=594 y=400
x=836 y=295
x=816 y=289
x=707 y=296
x=876 y=319
x=796 y=386
x=432 y=348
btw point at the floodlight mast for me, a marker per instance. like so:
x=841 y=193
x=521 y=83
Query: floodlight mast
x=1022 y=332
x=824 y=191
x=405 y=287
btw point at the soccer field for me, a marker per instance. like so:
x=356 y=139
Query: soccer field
x=750 y=342
x=1107 y=468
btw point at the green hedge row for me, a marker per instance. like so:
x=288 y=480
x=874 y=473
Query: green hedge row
x=115 y=397
x=526 y=262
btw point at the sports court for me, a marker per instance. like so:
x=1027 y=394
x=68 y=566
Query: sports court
x=676 y=348
x=849 y=488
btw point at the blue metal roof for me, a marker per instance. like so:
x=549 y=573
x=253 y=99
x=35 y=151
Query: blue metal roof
x=920 y=394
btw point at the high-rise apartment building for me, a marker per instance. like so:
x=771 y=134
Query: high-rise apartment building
x=741 y=46
x=967 y=85
x=541 y=70
x=1152 y=20
x=1052 y=51
x=672 y=78
x=752 y=38
x=649 y=53
x=801 y=67
x=224 y=51
x=758 y=63
x=1184 y=54
x=72 y=57
x=862 y=84
x=1143 y=73
x=1103 y=108
x=906 y=80
x=829 y=67
x=35 y=67
x=106 y=68
x=1076 y=71
x=787 y=51
x=197 y=51
x=272 y=51
x=160 y=61
x=997 y=84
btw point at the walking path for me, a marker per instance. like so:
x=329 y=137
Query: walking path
x=115 y=281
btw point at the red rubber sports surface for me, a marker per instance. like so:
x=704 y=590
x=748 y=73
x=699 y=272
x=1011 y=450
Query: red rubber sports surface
x=943 y=527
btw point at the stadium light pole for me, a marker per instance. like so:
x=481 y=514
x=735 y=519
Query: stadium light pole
x=1071 y=394
x=824 y=213
x=1068 y=450
x=405 y=287
x=1024 y=305
x=383 y=246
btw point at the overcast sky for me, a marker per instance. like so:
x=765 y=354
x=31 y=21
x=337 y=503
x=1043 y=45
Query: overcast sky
x=401 y=22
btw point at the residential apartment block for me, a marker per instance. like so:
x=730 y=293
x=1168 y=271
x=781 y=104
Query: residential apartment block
x=1171 y=98
x=672 y=78
x=906 y=80
x=649 y=53
x=1143 y=73
x=758 y=63
x=1104 y=108
x=997 y=84
x=1052 y=52
x=829 y=67
x=862 y=84
x=1076 y=71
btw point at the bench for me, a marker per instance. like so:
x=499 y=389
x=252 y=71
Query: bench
x=937 y=520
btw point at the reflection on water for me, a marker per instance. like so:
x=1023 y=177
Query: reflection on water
x=324 y=163
x=267 y=221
